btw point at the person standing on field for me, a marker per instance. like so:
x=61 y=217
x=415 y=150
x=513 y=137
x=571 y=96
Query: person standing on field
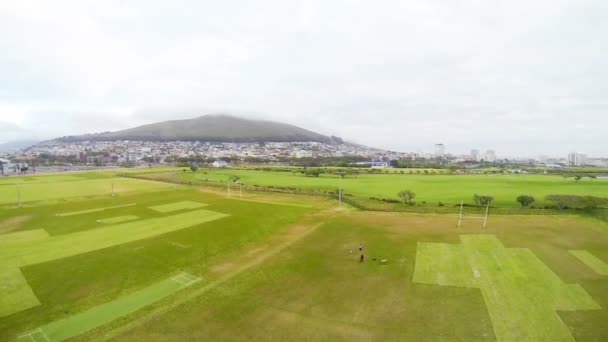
x=362 y=257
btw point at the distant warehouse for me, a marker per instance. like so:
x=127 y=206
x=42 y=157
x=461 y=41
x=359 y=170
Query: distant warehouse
x=374 y=164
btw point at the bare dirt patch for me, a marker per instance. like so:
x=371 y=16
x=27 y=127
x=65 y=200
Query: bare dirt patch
x=13 y=223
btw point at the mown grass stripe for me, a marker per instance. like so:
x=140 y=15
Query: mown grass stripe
x=94 y=210
x=52 y=248
x=183 y=205
x=118 y=219
x=97 y=316
x=520 y=291
x=593 y=262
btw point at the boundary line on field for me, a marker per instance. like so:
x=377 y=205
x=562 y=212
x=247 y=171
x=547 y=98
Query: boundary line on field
x=33 y=332
x=185 y=279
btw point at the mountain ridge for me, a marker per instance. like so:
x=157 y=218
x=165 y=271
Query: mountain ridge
x=212 y=128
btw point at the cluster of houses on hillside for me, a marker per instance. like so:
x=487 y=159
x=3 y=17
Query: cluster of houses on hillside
x=115 y=153
x=118 y=152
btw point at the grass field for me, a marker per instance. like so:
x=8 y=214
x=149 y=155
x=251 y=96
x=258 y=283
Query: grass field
x=166 y=208
x=77 y=324
x=592 y=261
x=118 y=219
x=158 y=262
x=449 y=189
x=522 y=295
x=51 y=190
x=317 y=290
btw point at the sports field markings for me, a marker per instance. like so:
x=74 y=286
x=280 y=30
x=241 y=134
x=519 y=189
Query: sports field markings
x=15 y=293
x=185 y=279
x=183 y=205
x=177 y=244
x=97 y=316
x=32 y=336
x=521 y=293
x=94 y=210
x=593 y=262
x=118 y=219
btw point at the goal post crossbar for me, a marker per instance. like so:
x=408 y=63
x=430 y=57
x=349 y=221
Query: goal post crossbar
x=484 y=217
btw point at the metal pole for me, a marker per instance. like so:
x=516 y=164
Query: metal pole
x=18 y=195
x=460 y=217
x=340 y=192
x=485 y=220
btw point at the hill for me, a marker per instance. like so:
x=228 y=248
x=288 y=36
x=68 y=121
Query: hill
x=215 y=127
x=14 y=146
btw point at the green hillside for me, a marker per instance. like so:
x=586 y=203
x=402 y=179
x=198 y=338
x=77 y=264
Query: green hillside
x=220 y=128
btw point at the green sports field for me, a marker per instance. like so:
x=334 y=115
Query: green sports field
x=156 y=262
x=448 y=189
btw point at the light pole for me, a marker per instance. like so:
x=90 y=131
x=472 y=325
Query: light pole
x=18 y=195
x=341 y=175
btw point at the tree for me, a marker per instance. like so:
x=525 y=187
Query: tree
x=525 y=200
x=577 y=178
x=483 y=200
x=407 y=196
x=577 y=202
x=193 y=168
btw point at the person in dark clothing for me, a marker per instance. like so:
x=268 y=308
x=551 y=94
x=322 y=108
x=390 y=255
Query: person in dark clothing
x=362 y=258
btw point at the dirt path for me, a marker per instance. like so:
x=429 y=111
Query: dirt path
x=235 y=266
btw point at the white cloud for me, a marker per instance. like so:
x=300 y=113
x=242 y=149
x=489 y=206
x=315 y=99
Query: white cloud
x=518 y=76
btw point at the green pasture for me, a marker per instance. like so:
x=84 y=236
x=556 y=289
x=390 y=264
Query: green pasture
x=44 y=191
x=55 y=267
x=83 y=265
x=118 y=219
x=94 y=317
x=18 y=253
x=317 y=289
x=183 y=205
x=93 y=210
x=521 y=293
x=432 y=189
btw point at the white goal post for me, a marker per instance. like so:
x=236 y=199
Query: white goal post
x=484 y=217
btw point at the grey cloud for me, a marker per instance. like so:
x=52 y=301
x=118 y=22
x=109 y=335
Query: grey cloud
x=517 y=76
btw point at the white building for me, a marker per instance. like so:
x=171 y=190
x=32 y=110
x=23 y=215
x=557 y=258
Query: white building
x=220 y=163
x=490 y=156
x=577 y=159
x=439 y=150
x=475 y=155
x=6 y=166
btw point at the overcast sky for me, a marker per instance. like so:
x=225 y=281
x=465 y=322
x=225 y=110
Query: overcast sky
x=521 y=77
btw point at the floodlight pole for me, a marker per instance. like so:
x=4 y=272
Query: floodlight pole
x=485 y=219
x=460 y=217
